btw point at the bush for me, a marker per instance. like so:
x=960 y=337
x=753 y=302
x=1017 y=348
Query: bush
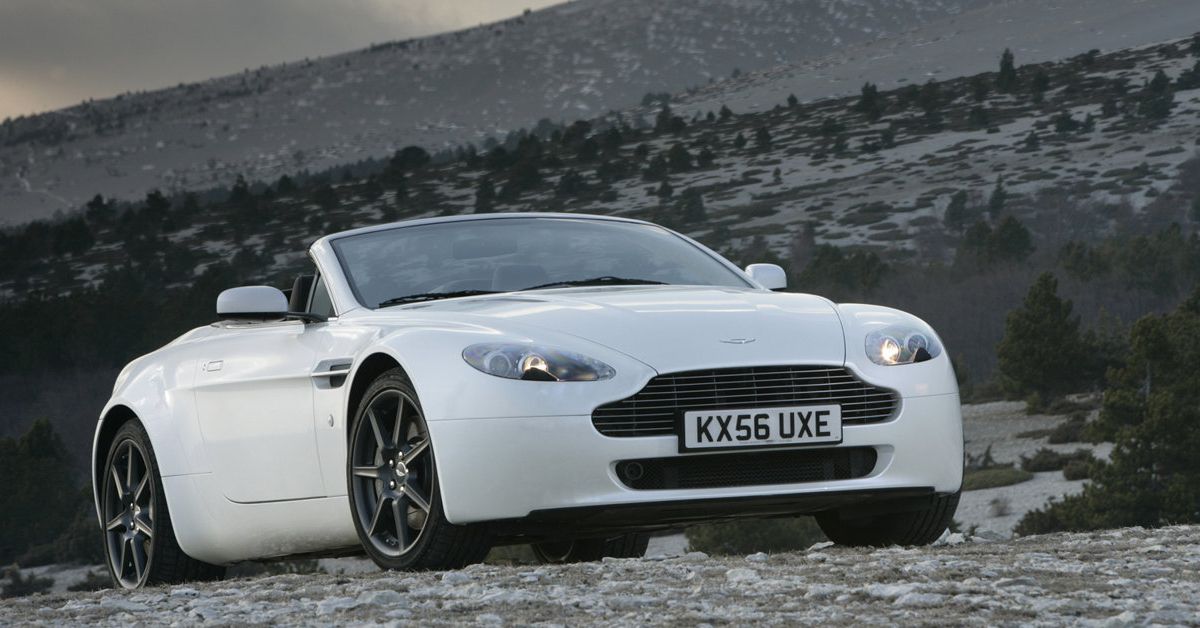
x=1069 y=431
x=1077 y=470
x=1041 y=521
x=19 y=586
x=755 y=535
x=999 y=507
x=994 y=477
x=1049 y=460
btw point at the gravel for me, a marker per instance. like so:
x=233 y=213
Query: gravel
x=1116 y=577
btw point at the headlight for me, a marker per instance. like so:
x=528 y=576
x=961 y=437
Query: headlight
x=901 y=345
x=536 y=363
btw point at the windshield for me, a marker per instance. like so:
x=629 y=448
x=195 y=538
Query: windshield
x=480 y=256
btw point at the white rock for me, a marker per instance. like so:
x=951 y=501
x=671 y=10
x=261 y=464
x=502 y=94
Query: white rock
x=758 y=557
x=742 y=574
x=381 y=597
x=455 y=577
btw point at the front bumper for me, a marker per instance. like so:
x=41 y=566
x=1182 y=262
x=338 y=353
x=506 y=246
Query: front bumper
x=520 y=468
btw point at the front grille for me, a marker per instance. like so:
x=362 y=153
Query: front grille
x=756 y=468
x=653 y=410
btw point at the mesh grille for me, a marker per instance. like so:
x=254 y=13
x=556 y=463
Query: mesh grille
x=653 y=410
x=756 y=468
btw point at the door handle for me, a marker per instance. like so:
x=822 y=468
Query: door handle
x=212 y=366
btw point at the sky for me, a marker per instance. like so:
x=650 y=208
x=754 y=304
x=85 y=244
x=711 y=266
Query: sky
x=57 y=53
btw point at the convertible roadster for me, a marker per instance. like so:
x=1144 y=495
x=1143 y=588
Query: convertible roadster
x=431 y=388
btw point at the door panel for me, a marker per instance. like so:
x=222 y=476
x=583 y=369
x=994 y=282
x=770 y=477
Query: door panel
x=254 y=400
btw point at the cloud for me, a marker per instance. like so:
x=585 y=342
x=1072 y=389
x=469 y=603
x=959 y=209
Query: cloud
x=55 y=53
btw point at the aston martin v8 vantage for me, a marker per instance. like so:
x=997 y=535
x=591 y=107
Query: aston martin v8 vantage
x=431 y=388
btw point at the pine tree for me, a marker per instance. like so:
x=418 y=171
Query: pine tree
x=792 y=101
x=1010 y=241
x=980 y=89
x=739 y=141
x=869 y=102
x=657 y=169
x=978 y=117
x=706 y=158
x=762 y=138
x=1042 y=348
x=1039 y=85
x=1006 y=80
x=692 y=206
x=725 y=113
x=1032 y=142
x=678 y=158
x=956 y=216
x=998 y=199
x=571 y=183
x=664 y=190
x=887 y=138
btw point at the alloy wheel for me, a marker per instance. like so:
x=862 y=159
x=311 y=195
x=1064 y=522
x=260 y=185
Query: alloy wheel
x=129 y=514
x=392 y=473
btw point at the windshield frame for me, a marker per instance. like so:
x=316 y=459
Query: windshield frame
x=734 y=271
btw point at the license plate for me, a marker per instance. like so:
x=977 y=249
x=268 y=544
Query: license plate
x=761 y=427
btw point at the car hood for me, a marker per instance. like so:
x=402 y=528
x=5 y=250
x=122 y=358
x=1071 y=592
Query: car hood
x=669 y=328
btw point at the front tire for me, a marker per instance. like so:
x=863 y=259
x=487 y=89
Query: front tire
x=913 y=527
x=139 y=541
x=393 y=485
x=557 y=552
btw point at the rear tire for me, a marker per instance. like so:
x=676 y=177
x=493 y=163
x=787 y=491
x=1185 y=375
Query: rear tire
x=915 y=527
x=395 y=496
x=139 y=540
x=555 y=552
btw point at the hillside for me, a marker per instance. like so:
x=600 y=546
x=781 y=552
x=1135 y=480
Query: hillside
x=578 y=59
x=1122 y=577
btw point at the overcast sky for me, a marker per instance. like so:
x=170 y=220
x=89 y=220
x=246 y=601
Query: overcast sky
x=55 y=53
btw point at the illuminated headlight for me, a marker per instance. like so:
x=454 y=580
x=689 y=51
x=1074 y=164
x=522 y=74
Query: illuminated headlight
x=901 y=345
x=535 y=363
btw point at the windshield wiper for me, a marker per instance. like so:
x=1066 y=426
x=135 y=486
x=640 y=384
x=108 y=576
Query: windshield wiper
x=607 y=280
x=432 y=296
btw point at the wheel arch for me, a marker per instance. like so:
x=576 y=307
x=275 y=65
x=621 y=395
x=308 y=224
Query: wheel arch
x=369 y=369
x=110 y=422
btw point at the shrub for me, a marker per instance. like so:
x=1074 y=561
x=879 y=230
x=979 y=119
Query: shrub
x=1049 y=460
x=999 y=507
x=994 y=477
x=19 y=585
x=1069 y=431
x=755 y=535
x=1077 y=470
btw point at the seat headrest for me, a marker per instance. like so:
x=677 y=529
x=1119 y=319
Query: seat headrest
x=298 y=301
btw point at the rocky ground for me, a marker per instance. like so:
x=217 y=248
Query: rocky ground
x=1118 y=577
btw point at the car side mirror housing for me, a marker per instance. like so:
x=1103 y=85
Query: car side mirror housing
x=769 y=276
x=252 y=303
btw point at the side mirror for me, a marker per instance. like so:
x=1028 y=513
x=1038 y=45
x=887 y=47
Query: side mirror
x=768 y=276
x=252 y=303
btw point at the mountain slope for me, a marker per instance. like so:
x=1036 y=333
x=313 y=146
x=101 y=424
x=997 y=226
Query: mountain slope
x=573 y=60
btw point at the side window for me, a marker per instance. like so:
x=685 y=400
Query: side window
x=321 y=303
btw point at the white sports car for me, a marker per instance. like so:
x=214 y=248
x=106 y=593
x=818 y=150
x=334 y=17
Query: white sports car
x=435 y=387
